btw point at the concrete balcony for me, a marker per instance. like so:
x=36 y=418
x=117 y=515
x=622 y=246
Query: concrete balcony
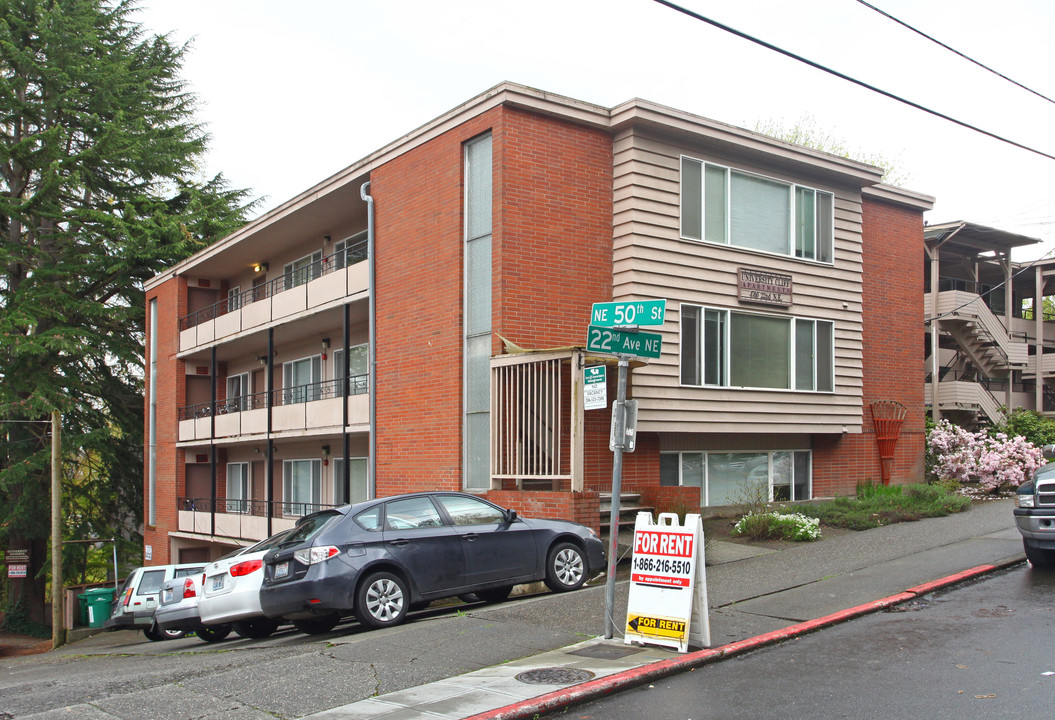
x=293 y=410
x=280 y=300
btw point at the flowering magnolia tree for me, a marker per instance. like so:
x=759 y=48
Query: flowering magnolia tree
x=989 y=461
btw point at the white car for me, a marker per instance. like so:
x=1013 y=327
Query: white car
x=231 y=591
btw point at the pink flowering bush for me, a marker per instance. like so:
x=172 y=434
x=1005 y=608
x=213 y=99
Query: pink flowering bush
x=988 y=462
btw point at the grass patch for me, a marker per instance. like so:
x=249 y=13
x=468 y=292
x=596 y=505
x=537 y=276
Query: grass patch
x=877 y=505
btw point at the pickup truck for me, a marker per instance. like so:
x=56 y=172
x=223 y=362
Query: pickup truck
x=1035 y=516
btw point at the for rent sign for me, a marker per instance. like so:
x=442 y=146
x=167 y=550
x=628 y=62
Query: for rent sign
x=668 y=588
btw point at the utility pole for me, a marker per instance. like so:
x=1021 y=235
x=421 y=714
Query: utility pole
x=58 y=633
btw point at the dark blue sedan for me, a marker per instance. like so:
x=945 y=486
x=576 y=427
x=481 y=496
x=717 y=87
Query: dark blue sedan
x=381 y=558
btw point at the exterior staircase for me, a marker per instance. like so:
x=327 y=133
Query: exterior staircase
x=629 y=506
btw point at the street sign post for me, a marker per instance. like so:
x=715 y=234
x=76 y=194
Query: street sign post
x=622 y=342
x=621 y=314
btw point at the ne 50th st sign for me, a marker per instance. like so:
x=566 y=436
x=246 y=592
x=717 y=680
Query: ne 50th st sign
x=619 y=314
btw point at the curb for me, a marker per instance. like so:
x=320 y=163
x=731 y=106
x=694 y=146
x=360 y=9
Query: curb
x=609 y=684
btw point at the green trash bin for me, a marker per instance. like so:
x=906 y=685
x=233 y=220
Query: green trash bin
x=98 y=602
x=82 y=610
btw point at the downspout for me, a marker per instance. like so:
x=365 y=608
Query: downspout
x=364 y=193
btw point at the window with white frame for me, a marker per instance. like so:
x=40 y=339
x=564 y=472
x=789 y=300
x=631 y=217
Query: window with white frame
x=300 y=380
x=726 y=348
x=234 y=298
x=357 y=369
x=479 y=197
x=731 y=207
x=237 y=393
x=303 y=270
x=301 y=486
x=238 y=487
x=350 y=251
x=727 y=478
x=357 y=477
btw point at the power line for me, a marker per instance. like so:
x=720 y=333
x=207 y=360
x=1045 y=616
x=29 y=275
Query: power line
x=855 y=81
x=954 y=50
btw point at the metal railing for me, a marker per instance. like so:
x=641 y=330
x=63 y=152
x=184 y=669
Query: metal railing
x=325 y=390
x=351 y=255
x=256 y=508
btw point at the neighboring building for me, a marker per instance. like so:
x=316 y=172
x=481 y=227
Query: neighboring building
x=366 y=337
x=990 y=344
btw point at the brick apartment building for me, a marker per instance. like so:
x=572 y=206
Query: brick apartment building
x=418 y=321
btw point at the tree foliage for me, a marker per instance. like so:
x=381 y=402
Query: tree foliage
x=806 y=132
x=99 y=191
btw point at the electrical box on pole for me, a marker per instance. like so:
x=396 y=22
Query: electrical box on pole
x=628 y=440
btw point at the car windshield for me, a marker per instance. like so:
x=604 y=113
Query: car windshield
x=309 y=527
x=151 y=582
x=267 y=543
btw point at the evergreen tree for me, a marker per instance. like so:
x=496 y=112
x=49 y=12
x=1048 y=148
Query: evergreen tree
x=99 y=153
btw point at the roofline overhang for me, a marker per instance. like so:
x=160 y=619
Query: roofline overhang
x=632 y=113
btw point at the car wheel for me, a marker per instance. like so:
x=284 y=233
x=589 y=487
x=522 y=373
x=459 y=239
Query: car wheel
x=257 y=628
x=156 y=634
x=214 y=633
x=382 y=600
x=1039 y=558
x=565 y=568
x=495 y=595
x=317 y=626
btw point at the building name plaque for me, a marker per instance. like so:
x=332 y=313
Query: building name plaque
x=767 y=288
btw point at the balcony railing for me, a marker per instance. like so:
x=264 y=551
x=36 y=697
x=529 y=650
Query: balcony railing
x=325 y=390
x=255 y=508
x=351 y=255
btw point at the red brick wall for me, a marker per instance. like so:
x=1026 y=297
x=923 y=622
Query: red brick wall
x=581 y=507
x=552 y=184
x=893 y=258
x=419 y=295
x=553 y=258
x=171 y=390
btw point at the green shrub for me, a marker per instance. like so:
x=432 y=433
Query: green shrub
x=880 y=505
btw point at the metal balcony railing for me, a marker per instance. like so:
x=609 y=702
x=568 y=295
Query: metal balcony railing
x=325 y=390
x=351 y=255
x=256 y=508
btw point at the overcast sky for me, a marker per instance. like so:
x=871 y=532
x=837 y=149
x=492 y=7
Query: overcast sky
x=293 y=92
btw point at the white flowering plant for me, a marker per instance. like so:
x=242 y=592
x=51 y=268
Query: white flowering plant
x=778 y=526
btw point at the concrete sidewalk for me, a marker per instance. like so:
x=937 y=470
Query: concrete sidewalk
x=757 y=596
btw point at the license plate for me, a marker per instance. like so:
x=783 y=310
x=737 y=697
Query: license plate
x=282 y=569
x=217 y=582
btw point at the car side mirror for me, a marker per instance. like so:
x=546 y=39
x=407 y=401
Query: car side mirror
x=511 y=515
x=1048 y=451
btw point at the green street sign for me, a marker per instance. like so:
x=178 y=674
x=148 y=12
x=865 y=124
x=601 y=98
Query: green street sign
x=619 y=314
x=619 y=342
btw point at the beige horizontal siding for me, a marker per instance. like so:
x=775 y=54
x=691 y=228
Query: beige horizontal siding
x=651 y=260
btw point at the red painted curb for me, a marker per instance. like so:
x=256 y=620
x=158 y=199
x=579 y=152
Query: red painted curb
x=654 y=671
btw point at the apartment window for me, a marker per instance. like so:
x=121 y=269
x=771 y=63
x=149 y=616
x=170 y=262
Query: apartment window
x=725 y=348
x=728 y=478
x=300 y=380
x=357 y=475
x=357 y=369
x=301 y=482
x=234 y=298
x=237 y=393
x=303 y=270
x=238 y=487
x=350 y=251
x=722 y=205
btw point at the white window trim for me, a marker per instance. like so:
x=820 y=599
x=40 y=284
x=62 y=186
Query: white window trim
x=728 y=214
x=233 y=502
x=706 y=488
x=726 y=350
x=287 y=480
